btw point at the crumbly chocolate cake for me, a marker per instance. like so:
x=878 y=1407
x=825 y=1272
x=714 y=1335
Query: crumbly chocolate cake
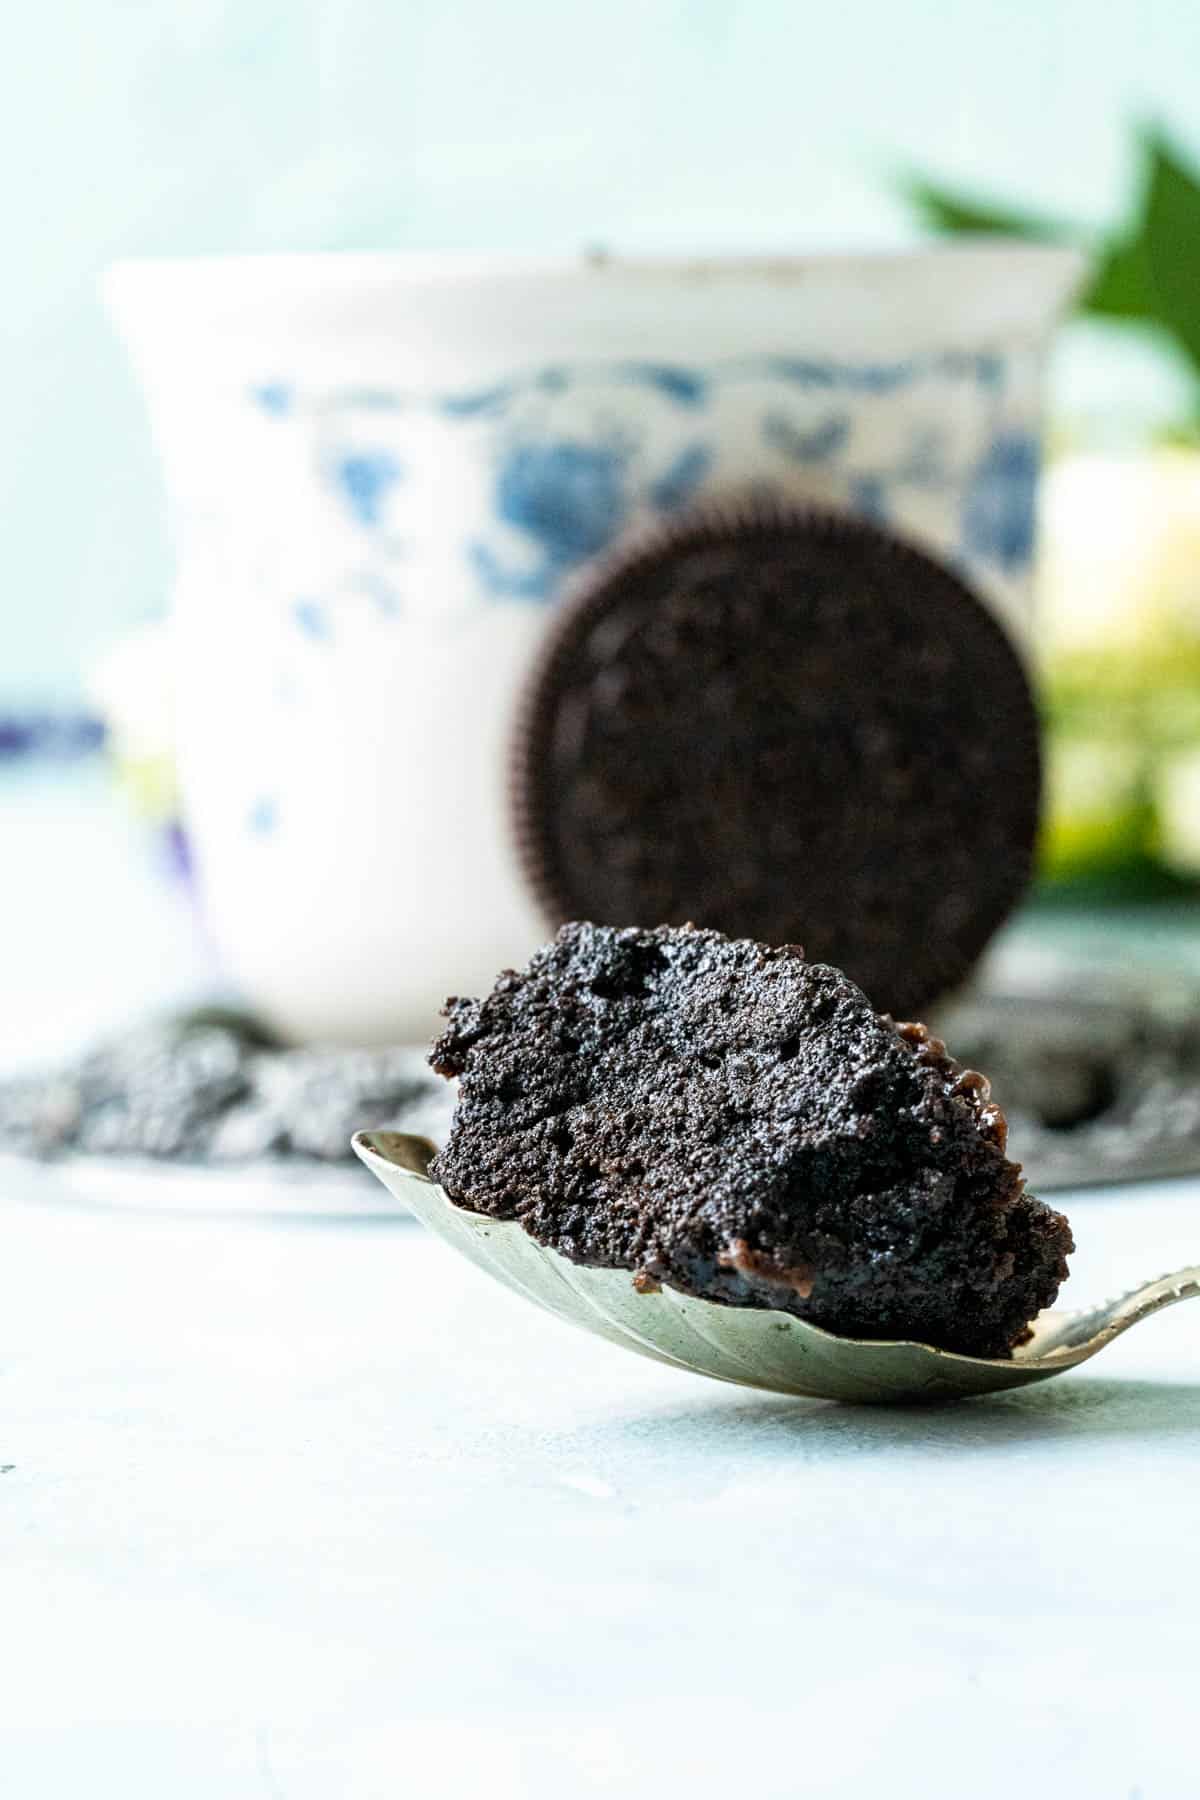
x=738 y=1122
x=788 y=726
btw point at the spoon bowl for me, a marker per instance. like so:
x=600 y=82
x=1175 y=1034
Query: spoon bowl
x=751 y=1346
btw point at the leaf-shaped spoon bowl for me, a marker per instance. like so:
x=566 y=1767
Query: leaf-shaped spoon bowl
x=752 y=1346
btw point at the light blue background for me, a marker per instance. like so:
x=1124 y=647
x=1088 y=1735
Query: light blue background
x=131 y=126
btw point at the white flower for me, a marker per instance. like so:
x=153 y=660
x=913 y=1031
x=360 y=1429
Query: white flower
x=1119 y=562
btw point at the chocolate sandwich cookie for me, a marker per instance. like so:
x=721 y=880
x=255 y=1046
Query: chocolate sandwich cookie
x=787 y=726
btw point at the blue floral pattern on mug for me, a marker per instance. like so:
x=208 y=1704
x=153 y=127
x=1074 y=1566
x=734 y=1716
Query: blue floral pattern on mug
x=549 y=467
x=568 y=499
x=312 y=620
x=1000 y=499
x=263 y=817
x=682 y=479
x=365 y=481
x=815 y=444
x=387 y=501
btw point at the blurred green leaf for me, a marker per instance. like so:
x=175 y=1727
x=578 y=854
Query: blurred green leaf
x=1172 y=244
x=950 y=212
x=1120 y=286
x=1148 y=273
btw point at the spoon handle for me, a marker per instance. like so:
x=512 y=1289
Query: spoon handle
x=1184 y=1284
x=1099 y=1325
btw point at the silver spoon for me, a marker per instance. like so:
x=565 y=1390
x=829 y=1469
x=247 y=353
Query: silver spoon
x=752 y=1346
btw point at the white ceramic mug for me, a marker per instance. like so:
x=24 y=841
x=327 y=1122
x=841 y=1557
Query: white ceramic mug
x=382 y=469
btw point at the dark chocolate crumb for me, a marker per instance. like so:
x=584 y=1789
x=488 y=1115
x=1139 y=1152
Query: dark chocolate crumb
x=741 y=1124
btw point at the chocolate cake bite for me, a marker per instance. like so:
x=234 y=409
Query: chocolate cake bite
x=739 y=1123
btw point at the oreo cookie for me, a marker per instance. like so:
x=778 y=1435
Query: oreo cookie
x=786 y=726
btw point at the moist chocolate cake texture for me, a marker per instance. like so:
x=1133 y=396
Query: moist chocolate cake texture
x=739 y=1123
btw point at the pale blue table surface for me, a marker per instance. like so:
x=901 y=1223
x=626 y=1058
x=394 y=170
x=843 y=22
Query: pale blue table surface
x=316 y=1511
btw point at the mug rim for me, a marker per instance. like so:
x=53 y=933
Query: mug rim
x=421 y=268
